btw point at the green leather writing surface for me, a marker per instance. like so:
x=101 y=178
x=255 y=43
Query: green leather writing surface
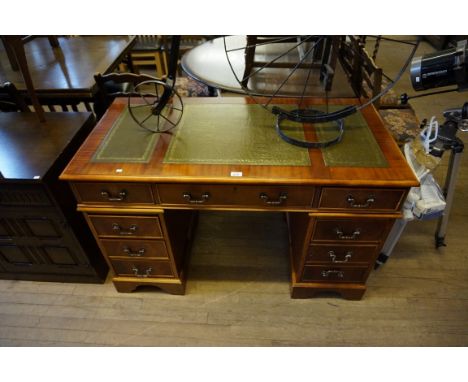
x=126 y=141
x=239 y=134
x=358 y=147
x=233 y=134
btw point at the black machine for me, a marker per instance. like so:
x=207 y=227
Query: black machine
x=444 y=68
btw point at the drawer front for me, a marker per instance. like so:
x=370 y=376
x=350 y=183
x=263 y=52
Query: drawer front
x=359 y=199
x=341 y=254
x=351 y=230
x=334 y=274
x=135 y=248
x=226 y=195
x=120 y=193
x=126 y=226
x=142 y=269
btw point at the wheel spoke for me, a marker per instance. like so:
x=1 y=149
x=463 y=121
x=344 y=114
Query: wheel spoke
x=292 y=71
x=146 y=118
x=138 y=106
x=167 y=119
x=281 y=56
x=282 y=39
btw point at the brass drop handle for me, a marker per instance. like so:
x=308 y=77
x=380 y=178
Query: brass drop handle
x=137 y=273
x=283 y=196
x=347 y=257
x=129 y=252
x=328 y=273
x=132 y=229
x=188 y=197
x=352 y=202
x=342 y=236
x=107 y=195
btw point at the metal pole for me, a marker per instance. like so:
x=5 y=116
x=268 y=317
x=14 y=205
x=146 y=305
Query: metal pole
x=449 y=193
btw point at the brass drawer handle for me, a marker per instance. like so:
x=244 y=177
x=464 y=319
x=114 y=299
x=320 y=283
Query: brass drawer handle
x=352 y=202
x=347 y=257
x=188 y=197
x=328 y=273
x=342 y=236
x=137 y=273
x=283 y=196
x=106 y=195
x=129 y=252
x=132 y=229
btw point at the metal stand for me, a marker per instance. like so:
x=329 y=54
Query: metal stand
x=449 y=191
x=449 y=141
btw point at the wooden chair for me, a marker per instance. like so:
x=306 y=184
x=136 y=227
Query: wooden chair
x=113 y=85
x=324 y=57
x=366 y=79
x=14 y=46
x=55 y=104
x=12 y=100
x=148 y=51
x=364 y=76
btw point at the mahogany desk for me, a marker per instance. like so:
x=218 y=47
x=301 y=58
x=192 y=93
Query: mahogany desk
x=141 y=213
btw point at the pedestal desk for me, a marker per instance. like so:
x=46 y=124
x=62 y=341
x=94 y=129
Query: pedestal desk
x=142 y=210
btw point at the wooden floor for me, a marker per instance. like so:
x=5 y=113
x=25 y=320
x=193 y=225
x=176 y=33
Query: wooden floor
x=237 y=292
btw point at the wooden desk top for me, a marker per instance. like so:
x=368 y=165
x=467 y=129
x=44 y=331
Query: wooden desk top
x=397 y=174
x=67 y=70
x=28 y=148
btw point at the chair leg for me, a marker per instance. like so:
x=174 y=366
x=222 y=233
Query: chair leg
x=53 y=41
x=10 y=52
x=18 y=49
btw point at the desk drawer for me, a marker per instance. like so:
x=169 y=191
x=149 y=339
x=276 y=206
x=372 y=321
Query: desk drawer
x=135 y=248
x=126 y=226
x=142 y=269
x=334 y=274
x=228 y=195
x=119 y=193
x=350 y=230
x=341 y=254
x=361 y=199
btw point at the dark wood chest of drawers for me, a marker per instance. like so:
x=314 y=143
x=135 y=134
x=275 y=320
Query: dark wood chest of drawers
x=42 y=236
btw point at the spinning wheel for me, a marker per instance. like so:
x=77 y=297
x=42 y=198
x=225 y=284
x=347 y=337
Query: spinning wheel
x=161 y=109
x=155 y=104
x=305 y=66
